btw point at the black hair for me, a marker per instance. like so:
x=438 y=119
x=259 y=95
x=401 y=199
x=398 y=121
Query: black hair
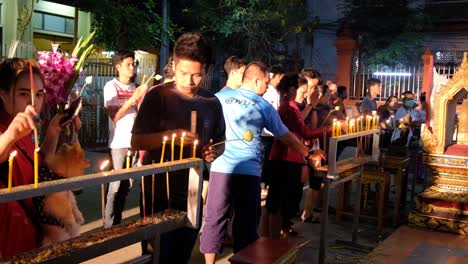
x=372 y=81
x=262 y=66
x=233 y=63
x=122 y=55
x=311 y=73
x=194 y=47
x=289 y=80
x=277 y=69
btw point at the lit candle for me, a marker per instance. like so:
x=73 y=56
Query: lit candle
x=351 y=126
x=172 y=146
x=36 y=167
x=103 y=206
x=347 y=125
x=10 y=169
x=334 y=128
x=129 y=153
x=195 y=143
x=368 y=122
x=338 y=128
x=182 y=145
x=163 y=149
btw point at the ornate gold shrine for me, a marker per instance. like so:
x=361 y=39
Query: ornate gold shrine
x=444 y=205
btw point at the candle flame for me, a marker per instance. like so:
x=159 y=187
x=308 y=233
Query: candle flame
x=165 y=138
x=195 y=142
x=129 y=153
x=13 y=154
x=104 y=165
x=337 y=108
x=183 y=134
x=374 y=112
x=173 y=135
x=37 y=149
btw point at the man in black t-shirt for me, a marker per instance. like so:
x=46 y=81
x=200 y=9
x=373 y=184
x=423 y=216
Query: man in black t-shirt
x=165 y=110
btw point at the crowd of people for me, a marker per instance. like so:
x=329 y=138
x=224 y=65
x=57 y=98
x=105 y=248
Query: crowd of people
x=288 y=114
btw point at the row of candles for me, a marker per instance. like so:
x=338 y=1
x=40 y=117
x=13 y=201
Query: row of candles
x=103 y=165
x=355 y=125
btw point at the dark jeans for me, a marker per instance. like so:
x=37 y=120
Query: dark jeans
x=285 y=192
x=266 y=165
x=177 y=245
x=242 y=193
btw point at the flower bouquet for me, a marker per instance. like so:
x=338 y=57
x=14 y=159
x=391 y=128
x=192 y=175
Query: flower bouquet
x=61 y=70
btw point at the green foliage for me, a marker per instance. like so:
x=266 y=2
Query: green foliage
x=255 y=28
x=126 y=24
x=390 y=31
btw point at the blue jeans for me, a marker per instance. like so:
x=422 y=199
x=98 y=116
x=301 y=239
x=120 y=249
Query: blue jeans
x=117 y=191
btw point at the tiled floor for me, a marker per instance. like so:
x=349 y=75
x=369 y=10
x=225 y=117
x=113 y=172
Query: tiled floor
x=414 y=246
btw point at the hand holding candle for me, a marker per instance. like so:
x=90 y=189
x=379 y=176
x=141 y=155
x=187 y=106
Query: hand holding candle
x=10 y=169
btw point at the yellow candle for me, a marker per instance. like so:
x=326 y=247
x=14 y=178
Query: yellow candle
x=10 y=169
x=195 y=143
x=103 y=206
x=338 y=128
x=129 y=153
x=334 y=128
x=347 y=125
x=163 y=149
x=182 y=145
x=172 y=146
x=368 y=122
x=36 y=167
x=351 y=126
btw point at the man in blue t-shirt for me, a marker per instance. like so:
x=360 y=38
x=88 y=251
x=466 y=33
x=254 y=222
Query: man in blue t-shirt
x=369 y=103
x=235 y=175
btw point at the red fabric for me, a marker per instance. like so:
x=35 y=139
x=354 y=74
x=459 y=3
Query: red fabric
x=17 y=231
x=291 y=117
x=457 y=150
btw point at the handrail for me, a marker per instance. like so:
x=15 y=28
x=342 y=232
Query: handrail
x=195 y=182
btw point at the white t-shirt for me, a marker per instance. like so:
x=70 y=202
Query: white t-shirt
x=116 y=94
x=273 y=97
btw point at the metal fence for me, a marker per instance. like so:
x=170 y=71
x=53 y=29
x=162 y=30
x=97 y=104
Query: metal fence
x=395 y=80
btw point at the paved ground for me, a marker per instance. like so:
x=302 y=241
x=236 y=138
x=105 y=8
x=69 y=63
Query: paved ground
x=89 y=203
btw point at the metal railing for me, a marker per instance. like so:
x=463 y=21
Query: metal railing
x=395 y=80
x=193 y=199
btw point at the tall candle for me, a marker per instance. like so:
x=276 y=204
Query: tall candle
x=195 y=143
x=172 y=146
x=163 y=149
x=347 y=125
x=103 y=206
x=36 y=167
x=182 y=145
x=334 y=128
x=10 y=169
x=338 y=128
x=129 y=153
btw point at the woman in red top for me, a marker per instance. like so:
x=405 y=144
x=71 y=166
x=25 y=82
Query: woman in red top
x=285 y=192
x=18 y=231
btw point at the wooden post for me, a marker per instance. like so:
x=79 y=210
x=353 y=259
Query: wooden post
x=345 y=46
x=428 y=72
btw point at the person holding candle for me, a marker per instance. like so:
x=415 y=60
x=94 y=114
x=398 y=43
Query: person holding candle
x=121 y=99
x=285 y=192
x=235 y=175
x=18 y=119
x=167 y=109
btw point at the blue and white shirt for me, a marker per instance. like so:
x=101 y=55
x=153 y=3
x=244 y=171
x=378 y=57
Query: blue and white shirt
x=245 y=110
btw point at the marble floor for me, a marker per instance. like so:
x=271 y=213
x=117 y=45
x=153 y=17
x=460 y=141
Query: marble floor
x=415 y=246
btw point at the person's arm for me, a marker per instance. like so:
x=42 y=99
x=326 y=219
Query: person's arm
x=150 y=141
x=49 y=145
x=290 y=140
x=116 y=113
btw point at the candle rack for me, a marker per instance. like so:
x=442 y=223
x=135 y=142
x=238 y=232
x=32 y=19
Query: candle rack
x=101 y=242
x=331 y=174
